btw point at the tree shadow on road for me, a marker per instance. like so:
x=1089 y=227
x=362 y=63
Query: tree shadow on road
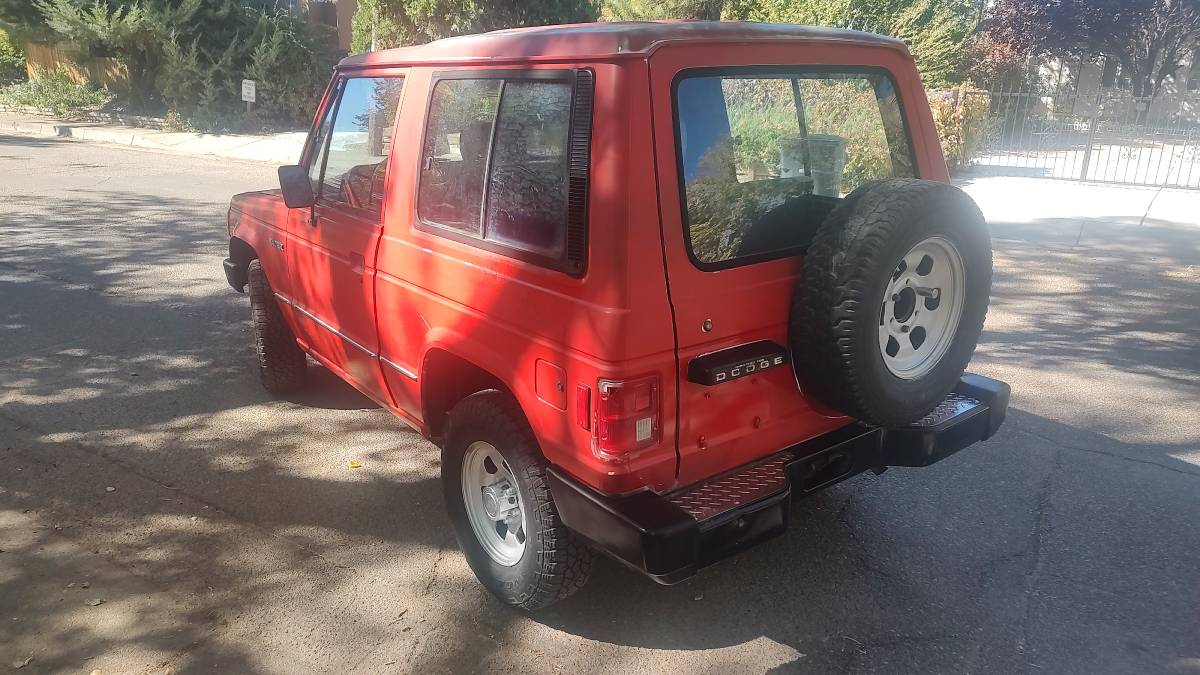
x=992 y=560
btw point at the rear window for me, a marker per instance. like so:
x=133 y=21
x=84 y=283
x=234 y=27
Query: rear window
x=764 y=157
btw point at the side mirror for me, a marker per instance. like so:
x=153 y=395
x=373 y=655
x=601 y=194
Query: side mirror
x=297 y=190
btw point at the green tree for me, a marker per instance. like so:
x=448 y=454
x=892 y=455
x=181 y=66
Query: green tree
x=191 y=55
x=938 y=32
x=380 y=24
x=12 y=61
x=224 y=41
x=1149 y=38
x=643 y=10
x=22 y=21
x=132 y=32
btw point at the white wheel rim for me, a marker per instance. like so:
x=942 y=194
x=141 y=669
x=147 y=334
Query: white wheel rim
x=493 y=503
x=922 y=305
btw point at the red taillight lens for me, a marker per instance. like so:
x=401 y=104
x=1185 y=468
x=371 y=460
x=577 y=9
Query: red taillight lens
x=627 y=417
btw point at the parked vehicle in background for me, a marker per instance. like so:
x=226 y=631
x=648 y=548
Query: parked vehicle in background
x=644 y=284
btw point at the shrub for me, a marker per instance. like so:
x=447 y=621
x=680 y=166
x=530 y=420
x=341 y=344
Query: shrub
x=199 y=88
x=56 y=93
x=961 y=117
x=12 y=61
x=291 y=65
x=289 y=59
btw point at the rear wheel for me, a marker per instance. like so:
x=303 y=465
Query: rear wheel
x=282 y=365
x=892 y=300
x=505 y=519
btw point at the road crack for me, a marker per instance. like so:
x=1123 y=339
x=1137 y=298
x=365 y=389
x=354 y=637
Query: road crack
x=1113 y=455
x=1037 y=536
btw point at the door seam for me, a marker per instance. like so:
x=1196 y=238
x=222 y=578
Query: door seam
x=662 y=238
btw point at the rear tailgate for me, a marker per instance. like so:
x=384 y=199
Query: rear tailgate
x=739 y=153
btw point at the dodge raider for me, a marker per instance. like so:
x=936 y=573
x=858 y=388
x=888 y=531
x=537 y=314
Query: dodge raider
x=644 y=284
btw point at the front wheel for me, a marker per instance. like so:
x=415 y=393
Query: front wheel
x=505 y=519
x=282 y=365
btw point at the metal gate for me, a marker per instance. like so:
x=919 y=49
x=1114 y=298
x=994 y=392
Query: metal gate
x=1106 y=136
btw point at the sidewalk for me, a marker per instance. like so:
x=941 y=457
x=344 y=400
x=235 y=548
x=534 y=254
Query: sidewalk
x=1049 y=205
x=280 y=148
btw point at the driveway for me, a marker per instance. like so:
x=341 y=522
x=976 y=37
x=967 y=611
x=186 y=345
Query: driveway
x=222 y=529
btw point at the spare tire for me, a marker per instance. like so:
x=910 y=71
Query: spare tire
x=891 y=300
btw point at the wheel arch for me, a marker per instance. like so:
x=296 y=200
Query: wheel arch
x=446 y=379
x=240 y=255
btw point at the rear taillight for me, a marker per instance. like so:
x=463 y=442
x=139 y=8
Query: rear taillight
x=627 y=417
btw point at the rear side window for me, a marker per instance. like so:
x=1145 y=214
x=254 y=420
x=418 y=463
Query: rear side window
x=527 y=185
x=765 y=157
x=461 y=116
x=497 y=165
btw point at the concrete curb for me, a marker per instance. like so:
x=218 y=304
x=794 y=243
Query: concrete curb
x=281 y=148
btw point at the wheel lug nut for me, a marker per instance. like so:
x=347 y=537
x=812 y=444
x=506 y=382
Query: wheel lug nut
x=903 y=329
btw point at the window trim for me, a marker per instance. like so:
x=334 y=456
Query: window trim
x=320 y=147
x=782 y=71
x=329 y=98
x=576 y=164
x=335 y=107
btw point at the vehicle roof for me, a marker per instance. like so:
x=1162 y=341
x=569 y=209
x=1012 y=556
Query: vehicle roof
x=587 y=41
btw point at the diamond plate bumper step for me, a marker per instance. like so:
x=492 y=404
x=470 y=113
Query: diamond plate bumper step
x=670 y=537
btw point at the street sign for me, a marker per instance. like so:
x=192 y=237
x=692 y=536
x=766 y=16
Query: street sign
x=248 y=91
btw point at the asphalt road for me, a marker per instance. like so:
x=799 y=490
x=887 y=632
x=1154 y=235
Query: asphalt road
x=235 y=537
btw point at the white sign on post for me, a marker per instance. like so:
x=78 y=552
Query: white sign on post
x=248 y=91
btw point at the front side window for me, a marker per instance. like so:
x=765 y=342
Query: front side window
x=495 y=162
x=764 y=158
x=360 y=138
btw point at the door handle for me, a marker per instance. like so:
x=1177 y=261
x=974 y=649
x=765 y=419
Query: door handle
x=357 y=263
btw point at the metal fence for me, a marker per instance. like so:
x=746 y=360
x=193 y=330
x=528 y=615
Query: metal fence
x=1106 y=136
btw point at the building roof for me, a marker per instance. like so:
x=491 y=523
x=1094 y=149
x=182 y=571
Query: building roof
x=603 y=40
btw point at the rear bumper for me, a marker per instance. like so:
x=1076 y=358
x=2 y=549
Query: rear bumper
x=670 y=537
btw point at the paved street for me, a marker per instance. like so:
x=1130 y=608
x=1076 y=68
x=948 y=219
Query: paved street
x=236 y=538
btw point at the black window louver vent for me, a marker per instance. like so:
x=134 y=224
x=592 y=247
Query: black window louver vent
x=579 y=164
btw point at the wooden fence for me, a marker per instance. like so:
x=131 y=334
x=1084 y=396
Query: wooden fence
x=44 y=59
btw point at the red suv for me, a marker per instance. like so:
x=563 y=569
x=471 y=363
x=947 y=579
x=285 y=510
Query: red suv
x=645 y=284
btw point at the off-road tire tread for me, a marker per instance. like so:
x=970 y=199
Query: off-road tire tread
x=564 y=562
x=828 y=305
x=282 y=365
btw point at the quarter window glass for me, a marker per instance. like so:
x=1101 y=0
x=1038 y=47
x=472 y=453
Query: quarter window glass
x=766 y=158
x=527 y=186
x=356 y=155
x=461 y=116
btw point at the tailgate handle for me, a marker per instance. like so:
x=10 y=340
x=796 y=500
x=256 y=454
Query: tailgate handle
x=734 y=362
